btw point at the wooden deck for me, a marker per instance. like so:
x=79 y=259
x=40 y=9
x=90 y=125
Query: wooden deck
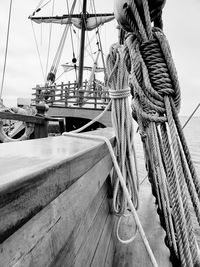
x=54 y=207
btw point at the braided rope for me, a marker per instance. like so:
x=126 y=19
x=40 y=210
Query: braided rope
x=156 y=99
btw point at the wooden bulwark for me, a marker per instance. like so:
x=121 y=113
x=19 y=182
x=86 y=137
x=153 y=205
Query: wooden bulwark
x=55 y=209
x=67 y=207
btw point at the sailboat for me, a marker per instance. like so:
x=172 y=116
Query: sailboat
x=84 y=94
x=64 y=98
x=74 y=199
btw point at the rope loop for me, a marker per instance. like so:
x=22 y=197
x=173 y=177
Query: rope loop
x=122 y=93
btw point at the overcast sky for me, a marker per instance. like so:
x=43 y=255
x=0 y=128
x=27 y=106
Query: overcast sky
x=181 y=26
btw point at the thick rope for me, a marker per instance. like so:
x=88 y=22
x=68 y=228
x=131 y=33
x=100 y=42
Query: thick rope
x=156 y=99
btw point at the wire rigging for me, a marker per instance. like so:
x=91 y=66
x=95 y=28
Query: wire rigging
x=6 y=51
x=57 y=57
x=72 y=43
x=49 y=44
x=38 y=51
x=99 y=42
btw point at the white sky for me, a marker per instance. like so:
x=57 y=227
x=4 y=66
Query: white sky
x=181 y=26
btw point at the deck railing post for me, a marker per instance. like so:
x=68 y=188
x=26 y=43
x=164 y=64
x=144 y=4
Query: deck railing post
x=95 y=95
x=41 y=130
x=61 y=91
x=37 y=94
x=53 y=93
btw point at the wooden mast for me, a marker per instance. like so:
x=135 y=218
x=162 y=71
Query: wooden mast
x=82 y=50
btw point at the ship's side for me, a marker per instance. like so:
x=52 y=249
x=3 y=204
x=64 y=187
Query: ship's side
x=55 y=206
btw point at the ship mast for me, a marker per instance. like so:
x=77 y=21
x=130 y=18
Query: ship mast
x=82 y=44
x=83 y=21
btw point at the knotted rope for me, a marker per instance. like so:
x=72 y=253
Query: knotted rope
x=156 y=102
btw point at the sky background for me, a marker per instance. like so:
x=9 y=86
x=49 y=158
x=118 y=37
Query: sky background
x=181 y=26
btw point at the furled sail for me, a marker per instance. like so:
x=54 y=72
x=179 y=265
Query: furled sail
x=92 y=21
x=68 y=67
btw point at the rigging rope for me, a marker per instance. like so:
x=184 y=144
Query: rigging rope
x=54 y=67
x=38 y=51
x=123 y=125
x=50 y=34
x=6 y=51
x=100 y=43
x=72 y=42
x=156 y=102
x=122 y=122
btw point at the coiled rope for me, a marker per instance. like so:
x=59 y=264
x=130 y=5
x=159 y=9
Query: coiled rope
x=156 y=103
x=122 y=122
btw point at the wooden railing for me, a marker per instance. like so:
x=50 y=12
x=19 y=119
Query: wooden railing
x=66 y=95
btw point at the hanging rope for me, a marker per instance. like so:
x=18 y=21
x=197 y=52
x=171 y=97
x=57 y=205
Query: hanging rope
x=156 y=102
x=123 y=125
x=6 y=51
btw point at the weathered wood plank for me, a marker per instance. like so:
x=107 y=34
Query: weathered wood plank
x=20 y=117
x=110 y=252
x=100 y=256
x=38 y=241
x=37 y=171
x=79 y=233
x=88 y=248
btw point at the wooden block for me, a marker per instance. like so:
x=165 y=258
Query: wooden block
x=38 y=241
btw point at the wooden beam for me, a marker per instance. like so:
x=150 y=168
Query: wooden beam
x=20 y=117
x=85 y=113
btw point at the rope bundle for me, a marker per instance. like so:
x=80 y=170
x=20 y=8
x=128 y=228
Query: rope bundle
x=156 y=102
x=123 y=125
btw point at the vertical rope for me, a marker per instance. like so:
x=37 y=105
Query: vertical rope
x=154 y=81
x=6 y=51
